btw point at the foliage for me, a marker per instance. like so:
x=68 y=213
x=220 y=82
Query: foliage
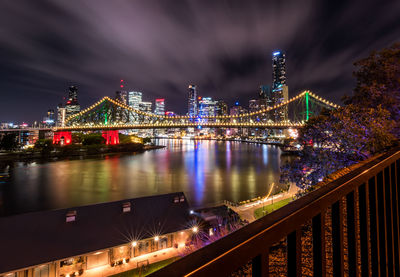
x=8 y=142
x=378 y=82
x=146 y=140
x=93 y=138
x=45 y=146
x=368 y=124
x=77 y=137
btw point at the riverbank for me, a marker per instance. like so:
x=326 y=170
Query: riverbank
x=75 y=151
x=277 y=143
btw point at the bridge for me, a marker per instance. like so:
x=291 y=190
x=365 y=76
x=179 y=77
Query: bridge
x=110 y=115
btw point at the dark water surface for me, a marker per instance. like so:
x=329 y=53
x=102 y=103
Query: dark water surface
x=206 y=171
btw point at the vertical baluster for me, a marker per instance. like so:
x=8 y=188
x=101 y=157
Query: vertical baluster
x=337 y=238
x=352 y=228
x=374 y=227
x=363 y=204
x=294 y=254
x=396 y=223
x=389 y=221
x=382 y=223
x=319 y=254
x=259 y=265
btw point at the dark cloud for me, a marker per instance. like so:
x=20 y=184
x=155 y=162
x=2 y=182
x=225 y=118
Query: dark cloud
x=160 y=47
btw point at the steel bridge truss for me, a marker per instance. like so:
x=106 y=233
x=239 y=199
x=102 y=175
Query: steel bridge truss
x=108 y=113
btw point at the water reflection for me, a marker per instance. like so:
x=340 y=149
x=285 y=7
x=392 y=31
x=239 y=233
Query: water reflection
x=206 y=171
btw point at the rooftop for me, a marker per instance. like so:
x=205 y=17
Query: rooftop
x=36 y=238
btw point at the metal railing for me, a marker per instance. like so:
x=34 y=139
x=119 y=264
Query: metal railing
x=363 y=215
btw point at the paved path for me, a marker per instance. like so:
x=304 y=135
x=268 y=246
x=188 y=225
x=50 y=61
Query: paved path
x=246 y=211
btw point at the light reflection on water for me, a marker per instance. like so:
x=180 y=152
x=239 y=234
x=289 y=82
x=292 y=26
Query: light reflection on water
x=206 y=171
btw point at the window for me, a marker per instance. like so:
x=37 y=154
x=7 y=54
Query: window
x=41 y=271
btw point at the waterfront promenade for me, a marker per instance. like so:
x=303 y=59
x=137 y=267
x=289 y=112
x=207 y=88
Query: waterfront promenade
x=246 y=211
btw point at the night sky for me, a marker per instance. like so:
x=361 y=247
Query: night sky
x=159 y=47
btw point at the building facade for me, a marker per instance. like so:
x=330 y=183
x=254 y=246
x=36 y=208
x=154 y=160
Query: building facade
x=192 y=101
x=145 y=107
x=72 y=106
x=207 y=107
x=61 y=115
x=134 y=100
x=101 y=239
x=160 y=106
x=278 y=69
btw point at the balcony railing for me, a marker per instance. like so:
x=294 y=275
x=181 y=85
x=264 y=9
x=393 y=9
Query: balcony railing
x=353 y=229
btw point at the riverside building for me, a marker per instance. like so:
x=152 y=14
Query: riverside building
x=97 y=239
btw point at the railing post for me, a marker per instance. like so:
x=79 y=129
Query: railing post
x=294 y=254
x=337 y=238
x=382 y=223
x=374 y=227
x=395 y=192
x=363 y=215
x=352 y=231
x=389 y=220
x=260 y=265
x=318 y=235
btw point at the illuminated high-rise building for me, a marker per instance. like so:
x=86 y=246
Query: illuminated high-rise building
x=49 y=119
x=278 y=69
x=72 y=95
x=72 y=106
x=121 y=96
x=145 y=107
x=192 y=101
x=160 y=106
x=134 y=99
x=207 y=107
x=221 y=108
x=61 y=113
x=280 y=95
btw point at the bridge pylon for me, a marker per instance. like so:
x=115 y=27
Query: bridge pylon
x=62 y=137
x=111 y=137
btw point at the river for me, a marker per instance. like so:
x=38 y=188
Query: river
x=206 y=171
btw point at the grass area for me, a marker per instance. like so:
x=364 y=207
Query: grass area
x=260 y=212
x=149 y=269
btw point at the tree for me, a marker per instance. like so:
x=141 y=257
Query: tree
x=368 y=124
x=346 y=136
x=378 y=82
x=93 y=138
x=9 y=142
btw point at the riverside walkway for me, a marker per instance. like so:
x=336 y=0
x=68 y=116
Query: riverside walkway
x=246 y=211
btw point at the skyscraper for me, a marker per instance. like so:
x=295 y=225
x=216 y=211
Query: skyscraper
x=160 y=106
x=145 y=107
x=278 y=69
x=134 y=99
x=61 y=112
x=192 y=101
x=221 y=108
x=73 y=95
x=121 y=96
x=72 y=106
x=49 y=119
x=207 y=107
x=281 y=94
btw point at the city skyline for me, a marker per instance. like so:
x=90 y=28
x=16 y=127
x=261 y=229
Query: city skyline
x=225 y=52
